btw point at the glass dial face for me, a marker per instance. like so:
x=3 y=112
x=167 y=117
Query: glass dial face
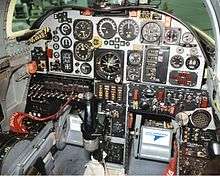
x=172 y=36
x=108 y=65
x=128 y=30
x=83 y=29
x=187 y=37
x=151 y=32
x=85 y=68
x=107 y=28
x=134 y=73
x=83 y=51
x=177 y=61
x=135 y=58
x=192 y=62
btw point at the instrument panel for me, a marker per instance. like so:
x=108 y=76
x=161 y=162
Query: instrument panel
x=144 y=46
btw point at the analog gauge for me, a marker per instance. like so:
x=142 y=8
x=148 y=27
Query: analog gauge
x=83 y=51
x=194 y=51
x=65 y=29
x=86 y=68
x=128 y=30
x=83 y=29
x=183 y=118
x=151 y=32
x=201 y=118
x=187 y=37
x=172 y=36
x=177 y=61
x=107 y=28
x=134 y=73
x=66 y=42
x=192 y=63
x=108 y=65
x=135 y=58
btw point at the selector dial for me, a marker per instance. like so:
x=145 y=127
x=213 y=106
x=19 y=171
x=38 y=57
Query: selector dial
x=107 y=28
x=128 y=29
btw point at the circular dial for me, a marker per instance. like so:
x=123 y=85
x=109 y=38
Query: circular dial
x=188 y=37
x=107 y=28
x=135 y=58
x=151 y=32
x=83 y=29
x=134 y=74
x=65 y=29
x=66 y=42
x=128 y=30
x=108 y=65
x=86 y=68
x=172 y=36
x=183 y=118
x=177 y=61
x=192 y=63
x=201 y=118
x=83 y=51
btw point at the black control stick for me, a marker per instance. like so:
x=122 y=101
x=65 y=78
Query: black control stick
x=88 y=127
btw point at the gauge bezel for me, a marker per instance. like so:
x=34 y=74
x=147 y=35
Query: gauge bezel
x=77 y=57
x=99 y=55
x=121 y=32
x=65 y=33
x=90 y=67
x=132 y=52
x=171 y=61
x=176 y=41
x=112 y=23
x=137 y=71
x=196 y=66
x=76 y=34
x=147 y=40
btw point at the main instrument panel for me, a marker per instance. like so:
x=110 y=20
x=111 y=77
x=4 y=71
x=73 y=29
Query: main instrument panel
x=142 y=63
x=144 y=46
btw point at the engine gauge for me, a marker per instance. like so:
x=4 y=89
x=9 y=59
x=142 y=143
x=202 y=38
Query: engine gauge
x=151 y=32
x=107 y=28
x=135 y=58
x=85 y=68
x=108 y=65
x=128 y=29
x=192 y=62
x=183 y=118
x=177 y=61
x=133 y=74
x=83 y=51
x=172 y=36
x=187 y=37
x=83 y=29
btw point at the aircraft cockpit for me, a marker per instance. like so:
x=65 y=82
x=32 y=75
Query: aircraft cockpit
x=108 y=88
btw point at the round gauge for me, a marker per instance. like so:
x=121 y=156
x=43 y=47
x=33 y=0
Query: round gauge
x=192 y=62
x=66 y=42
x=135 y=58
x=177 y=61
x=187 y=37
x=134 y=74
x=83 y=29
x=194 y=51
x=108 y=65
x=107 y=28
x=201 y=118
x=180 y=50
x=86 y=68
x=172 y=36
x=65 y=29
x=128 y=30
x=183 y=118
x=151 y=32
x=83 y=51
